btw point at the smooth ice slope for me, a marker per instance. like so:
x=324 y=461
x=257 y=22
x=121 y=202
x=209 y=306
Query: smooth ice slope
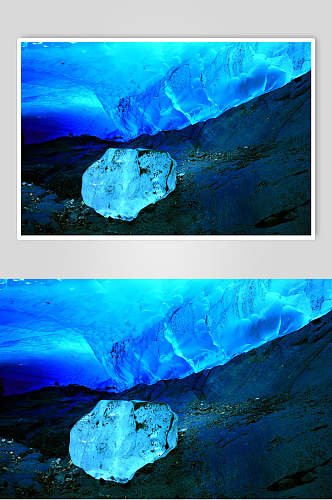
x=121 y=90
x=118 y=333
x=123 y=181
x=117 y=438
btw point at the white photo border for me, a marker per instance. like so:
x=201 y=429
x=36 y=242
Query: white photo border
x=312 y=236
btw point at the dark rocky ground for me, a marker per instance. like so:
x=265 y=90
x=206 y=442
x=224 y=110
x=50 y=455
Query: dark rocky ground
x=245 y=172
x=257 y=427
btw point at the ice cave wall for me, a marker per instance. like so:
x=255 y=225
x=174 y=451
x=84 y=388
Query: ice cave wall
x=117 y=333
x=124 y=89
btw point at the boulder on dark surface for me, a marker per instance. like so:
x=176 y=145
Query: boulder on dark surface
x=124 y=181
x=119 y=437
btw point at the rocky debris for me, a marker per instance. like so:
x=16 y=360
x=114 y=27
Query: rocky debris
x=20 y=469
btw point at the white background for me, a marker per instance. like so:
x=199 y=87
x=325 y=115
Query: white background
x=168 y=259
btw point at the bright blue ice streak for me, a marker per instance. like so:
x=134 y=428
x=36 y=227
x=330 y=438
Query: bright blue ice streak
x=118 y=333
x=124 y=89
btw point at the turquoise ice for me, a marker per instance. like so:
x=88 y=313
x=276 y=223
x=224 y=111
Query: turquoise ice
x=117 y=438
x=118 y=333
x=123 y=181
x=121 y=90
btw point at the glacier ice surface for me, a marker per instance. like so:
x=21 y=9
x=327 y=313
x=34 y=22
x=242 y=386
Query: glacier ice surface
x=117 y=438
x=119 y=90
x=124 y=181
x=118 y=333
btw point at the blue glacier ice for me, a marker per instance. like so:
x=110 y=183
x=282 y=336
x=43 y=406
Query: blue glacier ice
x=118 y=333
x=117 y=438
x=123 y=181
x=123 y=89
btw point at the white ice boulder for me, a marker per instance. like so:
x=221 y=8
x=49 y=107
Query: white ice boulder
x=117 y=438
x=124 y=181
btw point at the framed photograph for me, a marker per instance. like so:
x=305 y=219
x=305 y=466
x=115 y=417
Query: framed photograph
x=200 y=138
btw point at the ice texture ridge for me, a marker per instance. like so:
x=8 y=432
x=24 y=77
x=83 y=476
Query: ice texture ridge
x=124 y=181
x=117 y=438
x=118 y=333
x=120 y=90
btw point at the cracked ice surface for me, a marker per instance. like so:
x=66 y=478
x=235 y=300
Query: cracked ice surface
x=121 y=90
x=118 y=333
x=117 y=438
x=124 y=181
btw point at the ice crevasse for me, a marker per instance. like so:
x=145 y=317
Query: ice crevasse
x=120 y=90
x=118 y=333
